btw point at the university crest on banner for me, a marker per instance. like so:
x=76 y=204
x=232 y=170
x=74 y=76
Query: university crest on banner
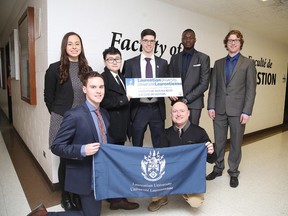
x=125 y=171
x=153 y=166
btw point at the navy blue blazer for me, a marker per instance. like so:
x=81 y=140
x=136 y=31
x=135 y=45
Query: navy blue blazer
x=77 y=129
x=132 y=69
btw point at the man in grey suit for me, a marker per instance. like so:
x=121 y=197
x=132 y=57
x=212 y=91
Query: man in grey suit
x=146 y=111
x=230 y=103
x=194 y=69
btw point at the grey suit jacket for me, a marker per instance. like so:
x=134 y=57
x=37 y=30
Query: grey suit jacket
x=239 y=95
x=132 y=69
x=197 y=77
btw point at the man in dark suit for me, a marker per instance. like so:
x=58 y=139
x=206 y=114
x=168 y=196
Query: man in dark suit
x=146 y=111
x=116 y=102
x=230 y=103
x=80 y=136
x=194 y=69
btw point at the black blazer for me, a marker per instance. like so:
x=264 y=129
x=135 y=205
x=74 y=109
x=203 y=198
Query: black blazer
x=116 y=103
x=58 y=98
x=77 y=129
x=132 y=69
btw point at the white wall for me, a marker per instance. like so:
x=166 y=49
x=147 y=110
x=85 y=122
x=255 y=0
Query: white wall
x=96 y=20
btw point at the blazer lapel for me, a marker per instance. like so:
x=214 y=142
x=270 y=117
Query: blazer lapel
x=113 y=84
x=239 y=62
x=90 y=122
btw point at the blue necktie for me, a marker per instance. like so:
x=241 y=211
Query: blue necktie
x=230 y=70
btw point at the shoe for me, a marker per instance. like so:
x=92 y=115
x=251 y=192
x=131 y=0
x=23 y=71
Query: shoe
x=213 y=175
x=38 y=211
x=123 y=204
x=66 y=202
x=77 y=201
x=234 y=181
x=156 y=205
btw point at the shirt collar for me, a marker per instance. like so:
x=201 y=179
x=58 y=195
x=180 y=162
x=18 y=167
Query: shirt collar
x=236 y=57
x=186 y=126
x=143 y=57
x=91 y=107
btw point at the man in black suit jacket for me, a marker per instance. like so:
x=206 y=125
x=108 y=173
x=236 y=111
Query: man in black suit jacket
x=194 y=69
x=146 y=111
x=116 y=102
x=78 y=139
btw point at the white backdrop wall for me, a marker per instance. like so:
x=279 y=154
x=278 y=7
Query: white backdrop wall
x=96 y=21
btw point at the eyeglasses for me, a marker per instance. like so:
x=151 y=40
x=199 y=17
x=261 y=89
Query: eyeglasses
x=233 y=40
x=111 y=60
x=148 y=41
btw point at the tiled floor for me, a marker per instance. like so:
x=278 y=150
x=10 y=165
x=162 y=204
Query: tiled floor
x=263 y=188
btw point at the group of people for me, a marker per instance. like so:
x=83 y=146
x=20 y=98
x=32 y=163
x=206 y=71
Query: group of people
x=89 y=109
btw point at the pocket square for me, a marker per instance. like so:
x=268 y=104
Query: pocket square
x=197 y=65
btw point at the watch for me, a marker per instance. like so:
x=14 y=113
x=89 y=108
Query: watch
x=184 y=100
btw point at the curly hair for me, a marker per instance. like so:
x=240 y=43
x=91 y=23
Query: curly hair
x=238 y=34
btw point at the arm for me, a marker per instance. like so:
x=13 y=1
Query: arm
x=50 y=85
x=62 y=144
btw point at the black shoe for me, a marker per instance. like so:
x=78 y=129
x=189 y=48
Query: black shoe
x=123 y=204
x=66 y=202
x=213 y=175
x=77 y=201
x=234 y=182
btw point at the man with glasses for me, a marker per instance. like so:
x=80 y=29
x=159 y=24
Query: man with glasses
x=230 y=103
x=146 y=111
x=194 y=69
x=116 y=102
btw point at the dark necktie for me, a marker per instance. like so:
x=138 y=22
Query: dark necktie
x=119 y=82
x=185 y=66
x=149 y=73
x=101 y=126
x=179 y=132
x=230 y=70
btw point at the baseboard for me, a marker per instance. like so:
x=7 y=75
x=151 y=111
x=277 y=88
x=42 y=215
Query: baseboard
x=52 y=186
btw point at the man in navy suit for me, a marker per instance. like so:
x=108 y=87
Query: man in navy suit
x=146 y=111
x=194 y=69
x=80 y=136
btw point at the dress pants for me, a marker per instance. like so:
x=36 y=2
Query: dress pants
x=90 y=207
x=221 y=124
x=195 y=116
x=147 y=114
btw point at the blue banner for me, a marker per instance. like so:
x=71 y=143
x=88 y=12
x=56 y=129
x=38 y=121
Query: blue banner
x=126 y=171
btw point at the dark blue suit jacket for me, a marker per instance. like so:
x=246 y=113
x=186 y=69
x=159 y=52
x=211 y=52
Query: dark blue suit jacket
x=132 y=69
x=77 y=129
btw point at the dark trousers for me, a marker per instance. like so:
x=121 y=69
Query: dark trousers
x=147 y=114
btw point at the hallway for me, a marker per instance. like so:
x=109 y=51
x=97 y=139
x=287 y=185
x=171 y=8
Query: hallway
x=263 y=188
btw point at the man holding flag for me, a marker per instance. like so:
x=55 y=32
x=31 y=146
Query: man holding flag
x=182 y=133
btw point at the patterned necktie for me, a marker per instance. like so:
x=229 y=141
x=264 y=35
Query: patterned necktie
x=119 y=82
x=101 y=126
x=149 y=73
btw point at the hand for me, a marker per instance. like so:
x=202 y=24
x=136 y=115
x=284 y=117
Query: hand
x=173 y=98
x=210 y=147
x=211 y=113
x=244 y=118
x=91 y=148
